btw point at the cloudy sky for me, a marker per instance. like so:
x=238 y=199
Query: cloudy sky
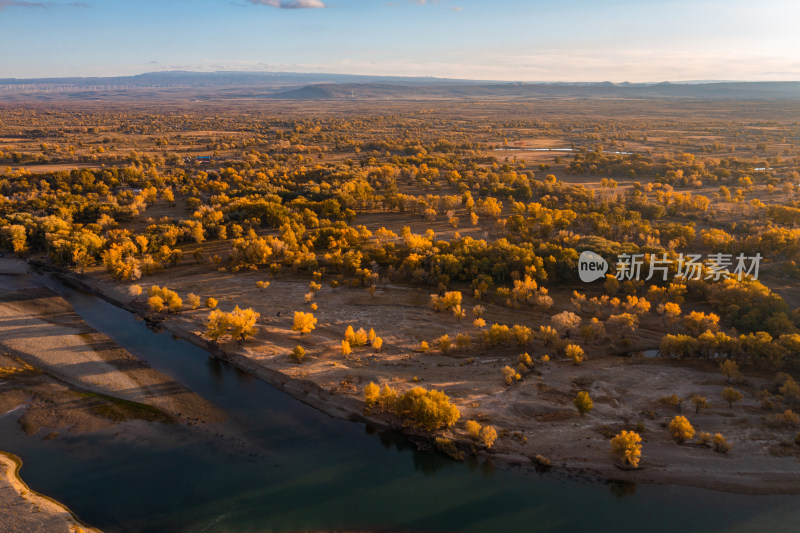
x=533 y=40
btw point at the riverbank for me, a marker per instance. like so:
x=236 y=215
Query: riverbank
x=534 y=417
x=58 y=375
x=40 y=330
x=25 y=510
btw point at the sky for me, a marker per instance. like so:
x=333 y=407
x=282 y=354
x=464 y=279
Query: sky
x=516 y=40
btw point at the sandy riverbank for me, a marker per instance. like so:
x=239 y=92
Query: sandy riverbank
x=40 y=329
x=25 y=510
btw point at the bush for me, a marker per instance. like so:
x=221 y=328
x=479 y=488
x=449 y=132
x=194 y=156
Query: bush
x=699 y=402
x=474 y=429
x=193 y=301
x=731 y=395
x=155 y=303
x=304 y=322
x=488 y=435
x=681 y=429
x=720 y=444
x=169 y=299
x=298 y=354
x=627 y=447
x=583 y=402
x=444 y=343
x=371 y=394
x=510 y=375
x=672 y=400
x=239 y=324
x=427 y=409
x=575 y=353
x=211 y=303
x=377 y=343
x=787 y=418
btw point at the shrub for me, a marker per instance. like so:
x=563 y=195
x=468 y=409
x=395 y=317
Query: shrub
x=583 y=402
x=239 y=324
x=488 y=435
x=155 y=303
x=444 y=343
x=699 y=402
x=360 y=338
x=575 y=353
x=474 y=429
x=672 y=400
x=787 y=418
x=377 y=343
x=193 y=301
x=681 y=429
x=211 y=303
x=627 y=447
x=371 y=394
x=731 y=395
x=720 y=444
x=298 y=354
x=510 y=375
x=304 y=322
x=446 y=302
x=169 y=299
x=427 y=409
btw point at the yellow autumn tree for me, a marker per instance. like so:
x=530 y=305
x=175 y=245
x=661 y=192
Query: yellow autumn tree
x=304 y=322
x=681 y=429
x=627 y=447
x=583 y=402
x=371 y=394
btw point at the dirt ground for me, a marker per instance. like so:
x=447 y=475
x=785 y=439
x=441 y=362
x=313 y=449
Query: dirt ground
x=536 y=415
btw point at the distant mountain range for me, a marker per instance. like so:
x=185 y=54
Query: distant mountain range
x=312 y=86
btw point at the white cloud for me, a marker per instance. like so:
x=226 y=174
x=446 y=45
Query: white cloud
x=10 y=3
x=291 y=4
x=40 y=5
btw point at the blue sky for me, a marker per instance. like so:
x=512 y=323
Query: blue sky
x=561 y=40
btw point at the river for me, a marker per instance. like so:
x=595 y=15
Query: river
x=303 y=470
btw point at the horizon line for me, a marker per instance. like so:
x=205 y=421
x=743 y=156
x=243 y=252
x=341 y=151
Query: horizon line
x=408 y=77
